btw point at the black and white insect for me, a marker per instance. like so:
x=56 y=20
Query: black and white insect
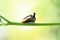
x=29 y=19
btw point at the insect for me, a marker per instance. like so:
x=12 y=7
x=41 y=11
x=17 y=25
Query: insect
x=29 y=19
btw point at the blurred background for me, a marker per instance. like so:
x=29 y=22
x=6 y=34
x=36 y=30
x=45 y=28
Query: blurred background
x=28 y=32
x=47 y=11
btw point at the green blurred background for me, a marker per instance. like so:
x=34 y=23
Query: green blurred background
x=47 y=11
x=12 y=32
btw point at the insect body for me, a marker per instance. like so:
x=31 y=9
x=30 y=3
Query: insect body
x=29 y=19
